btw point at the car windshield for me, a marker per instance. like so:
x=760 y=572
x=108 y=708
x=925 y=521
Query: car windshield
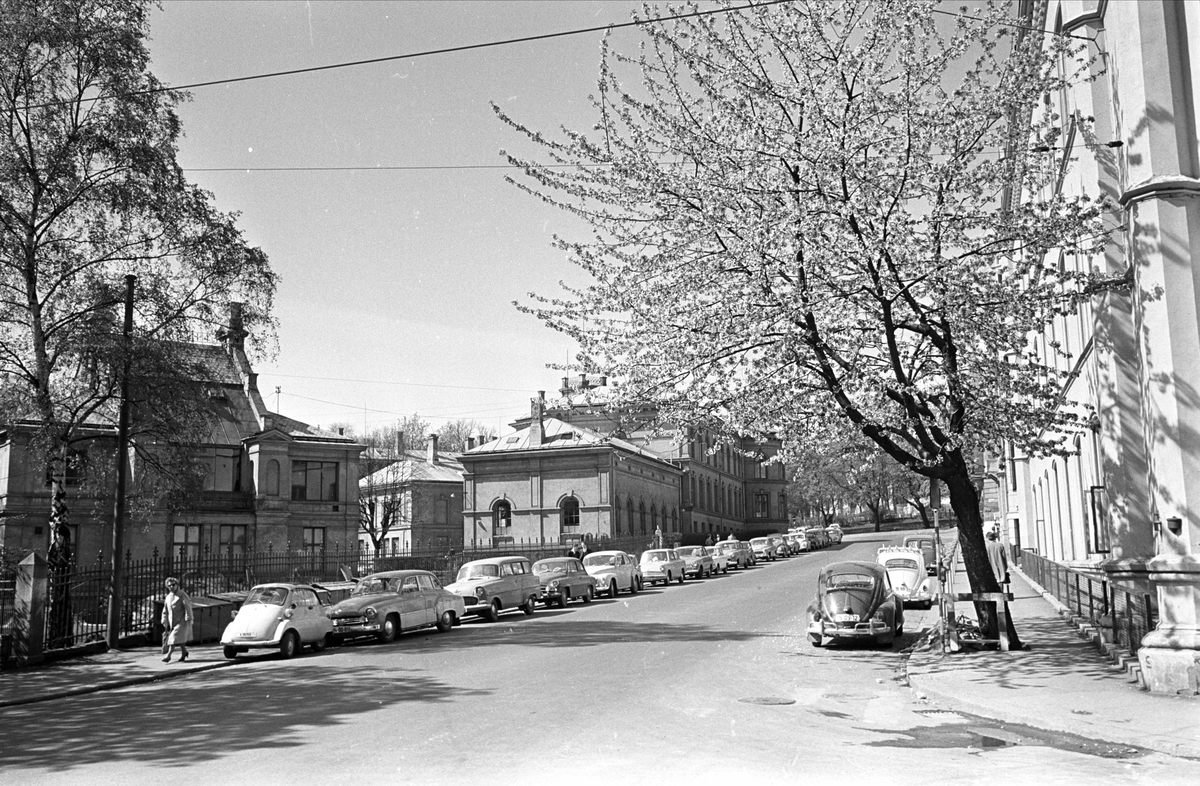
x=655 y=556
x=550 y=567
x=600 y=559
x=692 y=552
x=902 y=563
x=478 y=572
x=850 y=581
x=758 y=541
x=373 y=586
x=267 y=596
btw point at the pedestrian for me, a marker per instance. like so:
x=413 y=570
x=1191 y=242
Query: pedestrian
x=708 y=541
x=176 y=621
x=998 y=558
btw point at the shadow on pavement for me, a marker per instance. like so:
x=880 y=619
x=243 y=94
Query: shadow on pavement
x=233 y=710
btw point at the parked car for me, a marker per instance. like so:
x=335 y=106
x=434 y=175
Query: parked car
x=855 y=601
x=384 y=604
x=563 y=579
x=637 y=570
x=697 y=562
x=613 y=572
x=720 y=559
x=763 y=549
x=661 y=565
x=780 y=543
x=738 y=555
x=797 y=542
x=490 y=586
x=817 y=538
x=278 y=616
x=906 y=569
x=927 y=547
x=834 y=532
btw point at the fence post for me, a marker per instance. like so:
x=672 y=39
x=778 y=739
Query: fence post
x=29 y=609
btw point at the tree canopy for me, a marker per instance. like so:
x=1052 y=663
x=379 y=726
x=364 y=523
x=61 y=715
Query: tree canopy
x=826 y=212
x=90 y=191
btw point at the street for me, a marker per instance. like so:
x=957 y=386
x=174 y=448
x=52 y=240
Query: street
x=693 y=683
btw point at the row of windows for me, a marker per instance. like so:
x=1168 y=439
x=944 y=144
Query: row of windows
x=231 y=540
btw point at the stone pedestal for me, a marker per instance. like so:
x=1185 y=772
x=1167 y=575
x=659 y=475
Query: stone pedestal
x=29 y=609
x=1170 y=654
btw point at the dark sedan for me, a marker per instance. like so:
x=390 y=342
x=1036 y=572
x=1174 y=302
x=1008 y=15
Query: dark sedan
x=855 y=601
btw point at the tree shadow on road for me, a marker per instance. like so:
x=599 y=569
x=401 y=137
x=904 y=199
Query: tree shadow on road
x=230 y=711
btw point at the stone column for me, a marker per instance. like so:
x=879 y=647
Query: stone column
x=29 y=609
x=1156 y=77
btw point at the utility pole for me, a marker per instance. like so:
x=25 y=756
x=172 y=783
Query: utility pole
x=118 y=539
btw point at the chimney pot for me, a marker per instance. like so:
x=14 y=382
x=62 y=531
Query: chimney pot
x=433 y=445
x=471 y=442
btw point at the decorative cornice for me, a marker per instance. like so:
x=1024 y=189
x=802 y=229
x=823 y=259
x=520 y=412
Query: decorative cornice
x=1161 y=187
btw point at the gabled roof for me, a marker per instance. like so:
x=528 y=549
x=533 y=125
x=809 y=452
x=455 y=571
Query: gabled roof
x=558 y=435
x=413 y=467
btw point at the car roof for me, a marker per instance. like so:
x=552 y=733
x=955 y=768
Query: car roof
x=496 y=560
x=854 y=566
x=610 y=551
x=285 y=585
x=558 y=559
x=396 y=574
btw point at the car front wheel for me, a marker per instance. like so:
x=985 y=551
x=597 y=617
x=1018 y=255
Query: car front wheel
x=493 y=611
x=681 y=578
x=530 y=605
x=290 y=645
x=445 y=622
x=230 y=652
x=387 y=633
x=612 y=588
x=589 y=594
x=633 y=585
x=320 y=644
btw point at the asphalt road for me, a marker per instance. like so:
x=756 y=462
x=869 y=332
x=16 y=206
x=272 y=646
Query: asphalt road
x=712 y=681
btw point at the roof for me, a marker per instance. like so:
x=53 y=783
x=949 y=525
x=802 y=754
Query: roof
x=558 y=435
x=212 y=362
x=394 y=574
x=495 y=560
x=852 y=567
x=414 y=467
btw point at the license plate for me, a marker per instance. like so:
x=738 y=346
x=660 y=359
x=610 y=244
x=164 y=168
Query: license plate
x=246 y=635
x=845 y=618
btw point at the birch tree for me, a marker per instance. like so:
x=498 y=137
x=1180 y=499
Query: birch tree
x=812 y=213
x=90 y=191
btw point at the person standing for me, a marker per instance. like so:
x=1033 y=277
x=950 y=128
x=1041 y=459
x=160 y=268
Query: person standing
x=998 y=558
x=176 y=620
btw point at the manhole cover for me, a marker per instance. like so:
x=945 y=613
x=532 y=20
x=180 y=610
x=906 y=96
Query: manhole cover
x=767 y=700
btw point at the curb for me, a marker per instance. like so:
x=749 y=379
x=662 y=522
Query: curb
x=115 y=685
x=924 y=686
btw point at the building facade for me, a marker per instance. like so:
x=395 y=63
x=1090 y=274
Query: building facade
x=414 y=502
x=270 y=483
x=555 y=482
x=1126 y=503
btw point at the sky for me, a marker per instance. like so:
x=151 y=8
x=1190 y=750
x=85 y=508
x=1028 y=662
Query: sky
x=396 y=287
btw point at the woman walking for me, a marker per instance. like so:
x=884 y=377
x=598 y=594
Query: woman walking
x=176 y=620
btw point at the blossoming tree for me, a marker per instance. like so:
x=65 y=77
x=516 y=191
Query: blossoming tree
x=808 y=214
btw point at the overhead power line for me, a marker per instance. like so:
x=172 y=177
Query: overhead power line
x=489 y=388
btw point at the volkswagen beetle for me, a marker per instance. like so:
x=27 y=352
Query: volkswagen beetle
x=855 y=601
x=906 y=569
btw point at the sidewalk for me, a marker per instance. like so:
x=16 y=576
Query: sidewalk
x=1062 y=683
x=107 y=671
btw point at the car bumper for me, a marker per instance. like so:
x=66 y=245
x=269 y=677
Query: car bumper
x=871 y=629
x=355 y=629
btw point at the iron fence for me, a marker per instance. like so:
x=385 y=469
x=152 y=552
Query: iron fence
x=1125 y=615
x=78 y=593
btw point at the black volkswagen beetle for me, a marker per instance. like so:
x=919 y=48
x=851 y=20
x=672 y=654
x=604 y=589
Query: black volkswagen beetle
x=855 y=601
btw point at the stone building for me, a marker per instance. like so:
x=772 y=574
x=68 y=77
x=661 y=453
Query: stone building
x=417 y=497
x=270 y=482
x=556 y=482
x=1126 y=504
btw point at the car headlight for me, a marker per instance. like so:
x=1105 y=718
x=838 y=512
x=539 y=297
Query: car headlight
x=878 y=615
x=817 y=616
x=370 y=613
x=554 y=584
x=480 y=592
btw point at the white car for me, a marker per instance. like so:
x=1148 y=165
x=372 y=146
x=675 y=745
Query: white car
x=613 y=571
x=906 y=569
x=662 y=565
x=278 y=616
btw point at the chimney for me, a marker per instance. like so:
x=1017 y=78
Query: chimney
x=537 y=430
x=565 y=390
x=433 y=456
x=583 y=382
x=235 y=334
x=471 y=441
x=603 y=380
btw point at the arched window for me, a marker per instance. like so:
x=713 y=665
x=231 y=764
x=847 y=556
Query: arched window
x=653 y=518
x=642 y=516
x=570 y=512
x=674 y=520
x=501 y=517
x=629 y=517
x=616 y=512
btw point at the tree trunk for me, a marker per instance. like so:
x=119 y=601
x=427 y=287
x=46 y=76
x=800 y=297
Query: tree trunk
x=964 y=499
